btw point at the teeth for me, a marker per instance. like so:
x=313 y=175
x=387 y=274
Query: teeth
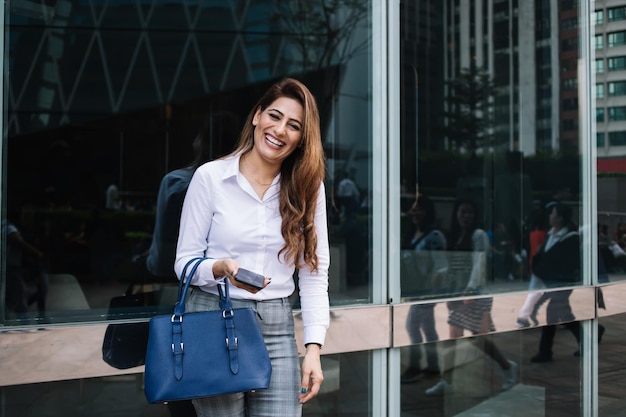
x=273 y=141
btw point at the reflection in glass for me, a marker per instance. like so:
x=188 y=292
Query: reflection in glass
x=476 y=380
x=346 y=391
x=424 y=268
x=611 y=367
x=468 y=246
x=490 y=115
x=482 y=120
x=104 y=104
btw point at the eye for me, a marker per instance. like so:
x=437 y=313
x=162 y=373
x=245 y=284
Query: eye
x=294 y=126
x=274 y=116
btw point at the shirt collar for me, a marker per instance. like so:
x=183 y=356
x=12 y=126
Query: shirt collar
x=232 y=166
x=558 y=234
x=232 y=171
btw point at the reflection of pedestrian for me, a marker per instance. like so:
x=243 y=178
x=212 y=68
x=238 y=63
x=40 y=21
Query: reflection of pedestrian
x=536 y=238
x=467 y=258
x=349 y=195
x=113 y=201
x=162 y=253
x=557 y=263
x=263 y=207
x=425 y=264
x=16 y=288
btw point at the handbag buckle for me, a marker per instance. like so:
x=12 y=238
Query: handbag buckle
x=182 y=347
x=227 y=314
x=236 y=342
x=180 y=318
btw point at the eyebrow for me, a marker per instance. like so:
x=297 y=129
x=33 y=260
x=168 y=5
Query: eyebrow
x=283 y=114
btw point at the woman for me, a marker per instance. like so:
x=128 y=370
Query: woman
x=425 y=264
x=467 y=270
x=263 y=207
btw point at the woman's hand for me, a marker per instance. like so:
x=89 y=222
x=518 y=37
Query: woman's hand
x=228 y=268
x=312 y=375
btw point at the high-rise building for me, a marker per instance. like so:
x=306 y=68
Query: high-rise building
x=609 y=19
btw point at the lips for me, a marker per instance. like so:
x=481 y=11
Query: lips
x=273 y=141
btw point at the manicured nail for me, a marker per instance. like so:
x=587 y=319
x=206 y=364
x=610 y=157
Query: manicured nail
x=303 y=390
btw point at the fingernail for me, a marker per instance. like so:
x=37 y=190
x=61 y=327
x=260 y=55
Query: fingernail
x=303 y=390
x=232 y=273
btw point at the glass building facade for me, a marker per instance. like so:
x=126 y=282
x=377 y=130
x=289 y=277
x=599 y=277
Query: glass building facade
x=467 y=126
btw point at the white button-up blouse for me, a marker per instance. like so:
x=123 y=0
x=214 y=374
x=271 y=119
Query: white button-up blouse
x=223 y=217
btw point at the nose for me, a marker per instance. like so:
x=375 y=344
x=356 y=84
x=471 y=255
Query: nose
x=281 y=128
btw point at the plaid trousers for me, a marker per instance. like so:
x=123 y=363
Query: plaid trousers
x=281 y=398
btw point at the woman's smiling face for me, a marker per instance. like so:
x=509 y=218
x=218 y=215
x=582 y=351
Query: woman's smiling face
x=278 y=129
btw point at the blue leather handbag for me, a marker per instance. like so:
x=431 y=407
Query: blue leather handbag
x=206 y=353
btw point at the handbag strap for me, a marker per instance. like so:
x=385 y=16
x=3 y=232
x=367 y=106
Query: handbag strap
x=225 y=303
x=179 y=307
x=181 y=281
x=232 y=342
x=177 y=317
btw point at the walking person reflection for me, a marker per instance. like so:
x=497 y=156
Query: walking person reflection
x=17 y=249
x=557 y=263
x=348 y=195
x=425 y=264
x=467 y=275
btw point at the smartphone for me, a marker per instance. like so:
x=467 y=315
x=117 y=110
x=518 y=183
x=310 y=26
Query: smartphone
x=250 y=278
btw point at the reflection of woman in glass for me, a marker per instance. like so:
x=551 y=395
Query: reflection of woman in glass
x=467 y=275
x=425 y=263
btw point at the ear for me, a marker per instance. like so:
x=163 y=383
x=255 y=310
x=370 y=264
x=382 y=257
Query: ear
x=257 y=117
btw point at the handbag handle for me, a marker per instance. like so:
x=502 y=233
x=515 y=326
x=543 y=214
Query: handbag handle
x=179 y=307
x=181 y=281
x=232 y=341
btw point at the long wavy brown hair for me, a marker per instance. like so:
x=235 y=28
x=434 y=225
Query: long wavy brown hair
x=301 y=173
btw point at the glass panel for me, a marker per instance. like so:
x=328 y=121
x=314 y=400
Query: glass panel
x=104 y=100
x=616 y=13
x=617 y=138
x=489 y=143
x=615 y=39
x=610 y=165
x=611 y=366
x=617 y=63
x=616 y=88
x=599 y=65
x=599 y=41
x=617 y=113
x=491 y=375
x=346 y=391
x=598 y=17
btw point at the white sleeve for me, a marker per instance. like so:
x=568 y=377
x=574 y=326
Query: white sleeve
x=195 y=224
x=314 y=285
x=480 y=244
